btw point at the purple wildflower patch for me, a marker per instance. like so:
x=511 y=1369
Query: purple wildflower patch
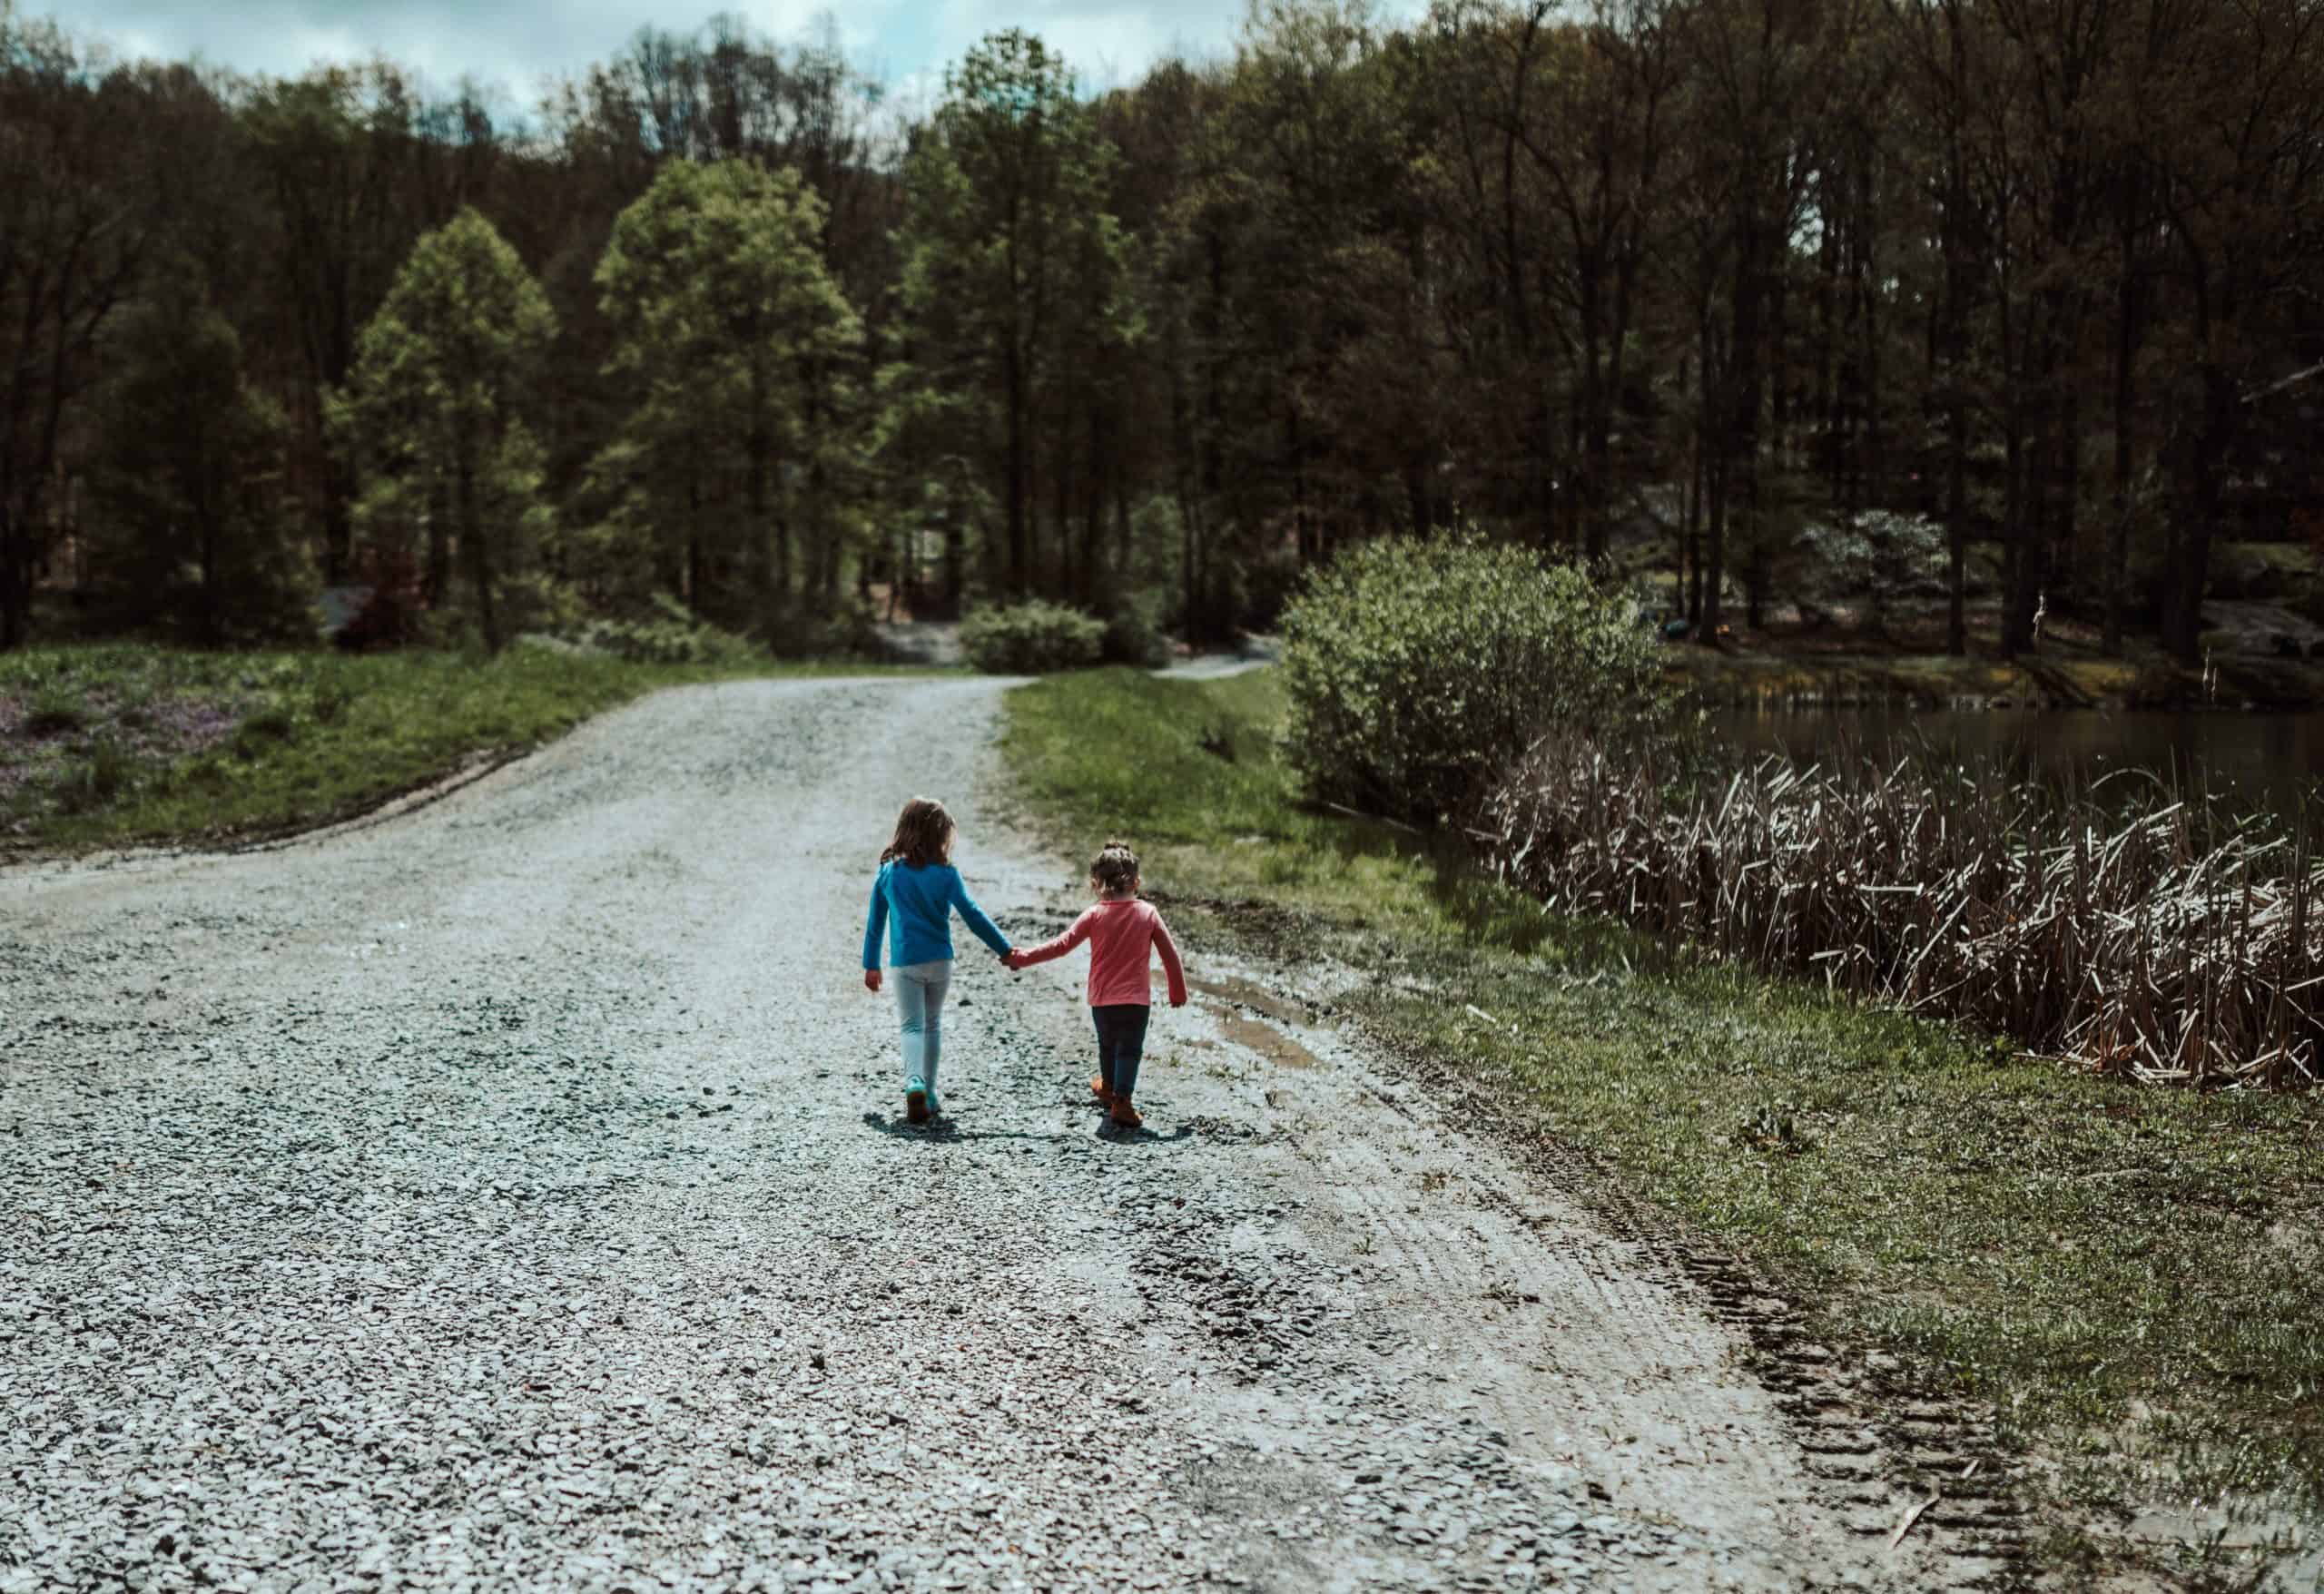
x=154 y=732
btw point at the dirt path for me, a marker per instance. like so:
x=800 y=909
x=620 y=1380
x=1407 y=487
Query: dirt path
x=511 y=1195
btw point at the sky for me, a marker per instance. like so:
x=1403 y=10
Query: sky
x=516 y=44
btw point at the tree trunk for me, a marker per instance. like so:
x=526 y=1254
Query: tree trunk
x=823 y=548
x=768 y=538
x=1739 y=483
x=1094 y=520
x=1126 y=552
x=472 y=538
x=1830 y=362
x=1870 y=463
x=339 y=522
x=1712 y=572
x=1960 y=269
x=1711 y=444
x=1689 y=594
x=1956 y=434
x=2021 y=526
x=1019 y=552
x=1589 y=502
x=2201 y=495
x=956 y=555
x=1625 y=298
x=1956 y=523
x=437 y=581
x=2118 y=532
x=14 y=595
x=1546 y=500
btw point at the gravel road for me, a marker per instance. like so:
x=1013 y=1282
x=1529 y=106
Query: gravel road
x=514 y=1194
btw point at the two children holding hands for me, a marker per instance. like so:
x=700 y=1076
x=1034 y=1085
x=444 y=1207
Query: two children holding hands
x=914 y=899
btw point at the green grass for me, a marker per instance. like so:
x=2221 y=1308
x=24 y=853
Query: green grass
x=2133 y=1277
x=105 y=745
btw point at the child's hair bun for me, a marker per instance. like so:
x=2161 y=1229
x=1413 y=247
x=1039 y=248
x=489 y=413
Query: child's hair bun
x=1116 y=868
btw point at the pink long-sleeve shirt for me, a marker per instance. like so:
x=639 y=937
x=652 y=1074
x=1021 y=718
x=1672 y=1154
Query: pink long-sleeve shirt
x=1119 y=932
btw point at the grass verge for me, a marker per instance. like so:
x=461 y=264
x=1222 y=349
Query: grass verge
x=2132 y=1278
x=116 y=745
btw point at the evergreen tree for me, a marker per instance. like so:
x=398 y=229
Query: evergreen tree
x=434 y=411
x=735 y=352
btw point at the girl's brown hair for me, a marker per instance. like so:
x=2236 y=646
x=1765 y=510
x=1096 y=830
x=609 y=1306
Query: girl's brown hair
x=1115 y=870
x=923 y=834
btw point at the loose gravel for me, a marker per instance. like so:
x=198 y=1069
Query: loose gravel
x=514 y=1195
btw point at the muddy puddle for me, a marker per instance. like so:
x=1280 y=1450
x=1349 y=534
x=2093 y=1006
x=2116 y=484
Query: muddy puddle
x=1244 y=1011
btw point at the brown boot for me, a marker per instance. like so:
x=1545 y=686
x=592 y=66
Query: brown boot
x=1098 y=1089
x=1126 y=1116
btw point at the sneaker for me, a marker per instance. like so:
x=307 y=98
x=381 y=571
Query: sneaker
x=1098 y=1089
x=916 y=1101
x=1125 y=1116
x=935 y=1107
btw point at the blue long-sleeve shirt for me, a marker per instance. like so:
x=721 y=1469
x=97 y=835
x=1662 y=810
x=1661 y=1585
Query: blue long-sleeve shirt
x=916 y=905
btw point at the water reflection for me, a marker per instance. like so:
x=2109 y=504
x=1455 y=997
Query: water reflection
x=2274 y=762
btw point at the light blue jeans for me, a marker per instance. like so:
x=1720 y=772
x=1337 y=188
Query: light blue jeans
x=920 y=1003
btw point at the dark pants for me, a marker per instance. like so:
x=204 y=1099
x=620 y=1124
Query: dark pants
x=1121 y=1041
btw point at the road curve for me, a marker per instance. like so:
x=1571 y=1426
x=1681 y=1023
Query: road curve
x=511 y=1195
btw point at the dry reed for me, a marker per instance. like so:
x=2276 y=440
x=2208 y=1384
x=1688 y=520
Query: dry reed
x=2155 y=944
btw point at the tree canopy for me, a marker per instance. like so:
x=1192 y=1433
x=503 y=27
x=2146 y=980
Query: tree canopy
x=2021 y=295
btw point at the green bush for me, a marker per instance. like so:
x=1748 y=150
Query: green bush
x=1133 y=634
x=273 y=723
x=1418 y=671
x=852 y=630
x=54 y=712
x=330 y=700
x=1032 y=639
x=102 y=775
x=670 y=634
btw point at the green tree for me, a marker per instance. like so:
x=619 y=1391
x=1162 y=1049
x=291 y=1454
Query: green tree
x=434 y=410
x=1006 y=240
x=333 y=152
x=739 y=351
x=187 y=478
x=1417 y=669
x=76 y=221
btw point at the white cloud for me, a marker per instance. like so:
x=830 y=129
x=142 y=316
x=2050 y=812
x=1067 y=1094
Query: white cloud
x=908 y=42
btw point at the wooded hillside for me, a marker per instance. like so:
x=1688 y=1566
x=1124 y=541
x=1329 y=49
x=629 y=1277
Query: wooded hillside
x=1712 y=277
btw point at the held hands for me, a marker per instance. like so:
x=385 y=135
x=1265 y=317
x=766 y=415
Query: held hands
x=871 y=979
x=1014 y=958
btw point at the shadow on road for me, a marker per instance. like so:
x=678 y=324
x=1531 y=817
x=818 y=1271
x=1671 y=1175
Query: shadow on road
x=944 y=1130
x=1143 y=1138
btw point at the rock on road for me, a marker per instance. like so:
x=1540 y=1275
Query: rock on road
x=511 y=1193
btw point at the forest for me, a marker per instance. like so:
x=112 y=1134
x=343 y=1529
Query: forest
x=1698 y=288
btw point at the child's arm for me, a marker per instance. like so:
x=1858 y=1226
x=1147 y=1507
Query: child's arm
x=974 y=917
x=1058 y=946
x=1171 y=967
x=873 y=926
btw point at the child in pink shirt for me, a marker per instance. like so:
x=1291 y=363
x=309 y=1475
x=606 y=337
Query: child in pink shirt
x=1121 y=931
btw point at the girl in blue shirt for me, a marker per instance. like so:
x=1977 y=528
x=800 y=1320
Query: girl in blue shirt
x=914 y=899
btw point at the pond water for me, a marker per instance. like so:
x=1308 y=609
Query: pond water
x=2274 y=762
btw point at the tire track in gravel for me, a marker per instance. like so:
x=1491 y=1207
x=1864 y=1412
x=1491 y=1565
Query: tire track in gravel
x=511 y=1195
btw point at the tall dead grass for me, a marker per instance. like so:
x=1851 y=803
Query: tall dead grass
x=2157 y=943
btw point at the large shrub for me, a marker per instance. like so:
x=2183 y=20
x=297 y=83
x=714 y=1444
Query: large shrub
x=666 y=632
x=1032 y=639
x=1418 y=671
